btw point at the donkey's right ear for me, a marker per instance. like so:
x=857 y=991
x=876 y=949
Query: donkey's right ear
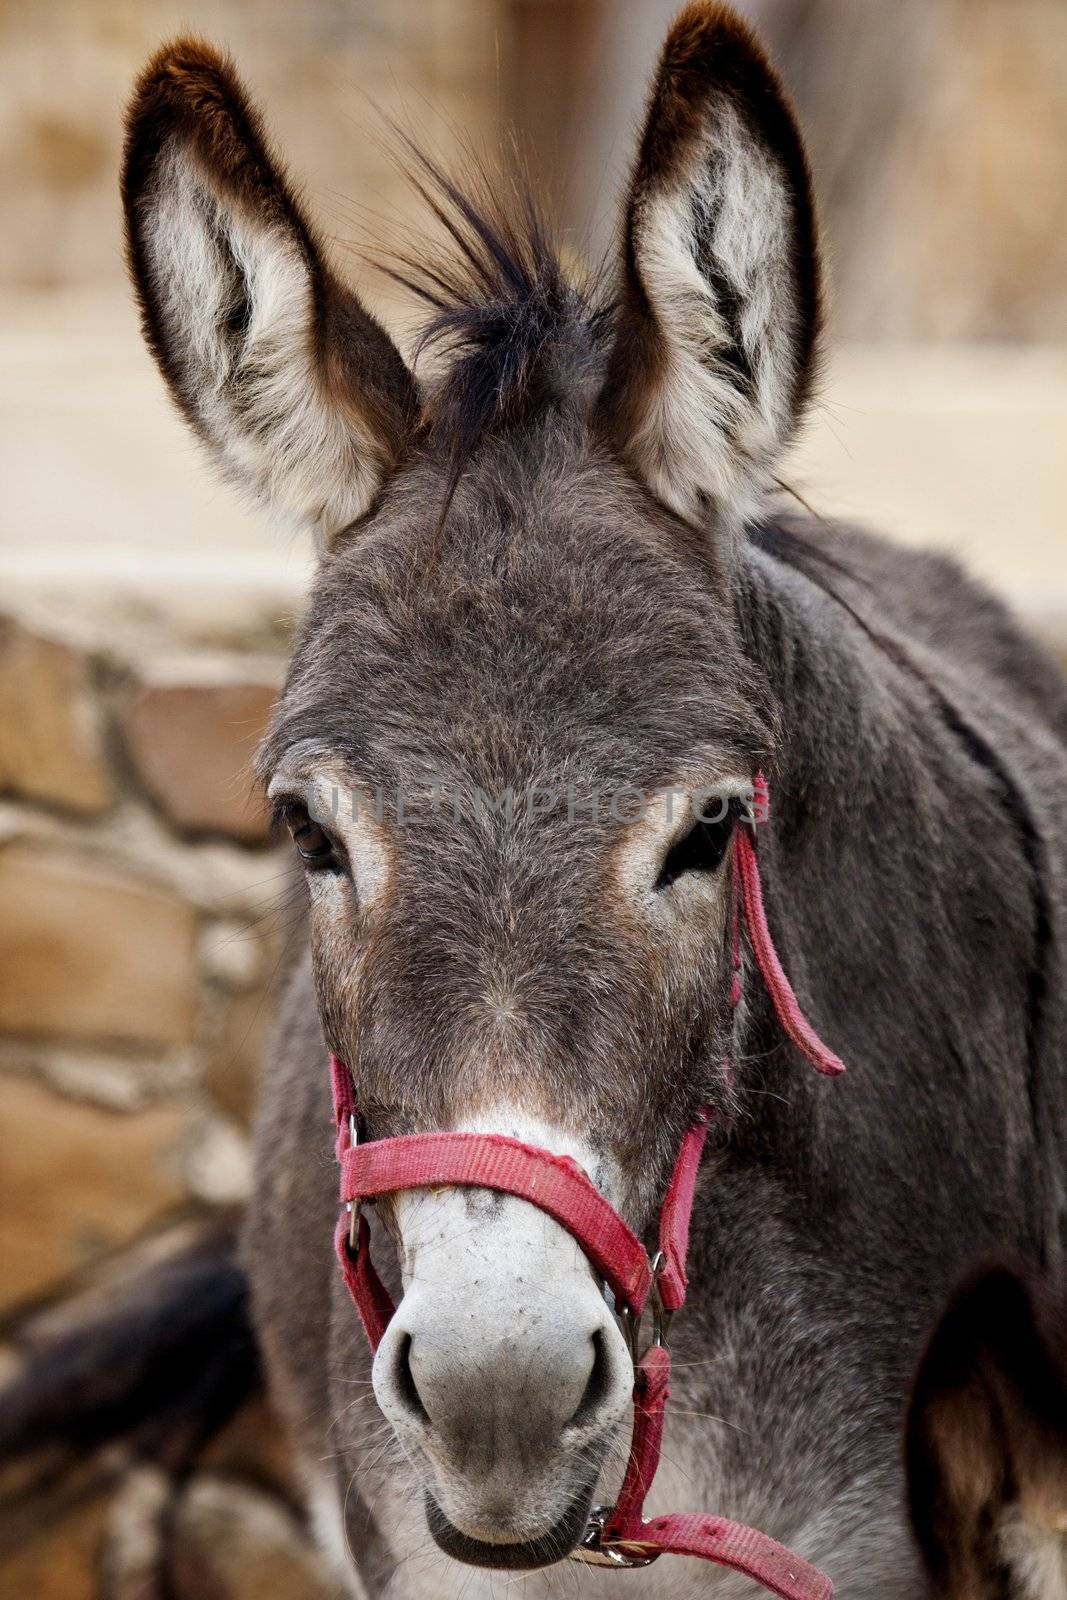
x=296 y=390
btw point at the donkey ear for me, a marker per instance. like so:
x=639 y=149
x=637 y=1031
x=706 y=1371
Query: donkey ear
x=715 y=349
x=297 y=391
x=987 y=1434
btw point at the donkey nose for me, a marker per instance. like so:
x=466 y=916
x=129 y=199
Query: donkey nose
x=476 y=1394
x=502 y=1371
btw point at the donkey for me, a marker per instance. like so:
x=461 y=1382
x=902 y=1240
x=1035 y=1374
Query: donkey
x=551 y=579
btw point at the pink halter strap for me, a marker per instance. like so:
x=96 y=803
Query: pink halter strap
x=617 y=1536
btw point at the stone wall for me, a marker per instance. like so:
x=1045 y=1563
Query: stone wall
x=143 y=912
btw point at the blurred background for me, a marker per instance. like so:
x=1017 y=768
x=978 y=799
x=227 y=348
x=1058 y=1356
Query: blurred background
x=145 y=613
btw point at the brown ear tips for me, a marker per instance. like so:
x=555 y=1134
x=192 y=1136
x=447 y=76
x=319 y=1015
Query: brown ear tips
x=190 y=92
x=702 y=25
x=188 y=98
x=707 y=42
x=709 y=50
x=188 y=88
x=185 y=70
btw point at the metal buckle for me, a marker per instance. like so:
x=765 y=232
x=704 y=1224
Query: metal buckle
x=592 y=1548
x=631 y=1324
x=353 y=1206
x=595 y=1553
x=631 y=1332
x=661 y=1317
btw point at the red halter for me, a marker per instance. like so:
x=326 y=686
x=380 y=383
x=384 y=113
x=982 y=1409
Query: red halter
x=618 y=1535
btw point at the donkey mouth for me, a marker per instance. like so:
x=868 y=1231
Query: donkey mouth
x=554 y=1545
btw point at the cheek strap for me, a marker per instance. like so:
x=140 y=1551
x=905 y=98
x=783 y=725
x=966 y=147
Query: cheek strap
x=616 y=1536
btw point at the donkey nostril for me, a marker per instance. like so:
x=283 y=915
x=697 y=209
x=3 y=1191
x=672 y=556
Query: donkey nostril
x=596 y=1389
x=406 y=1387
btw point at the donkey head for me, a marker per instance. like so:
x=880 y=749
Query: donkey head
x=520 y=721
x=987 y=1444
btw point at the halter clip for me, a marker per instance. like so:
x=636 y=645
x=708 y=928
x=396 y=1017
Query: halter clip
x=593 y=1551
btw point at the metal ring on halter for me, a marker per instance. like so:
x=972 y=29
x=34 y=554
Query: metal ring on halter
x=661 y=1317
x=595 y=1553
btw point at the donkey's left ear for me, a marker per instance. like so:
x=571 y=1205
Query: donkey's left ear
x=716 y=343
x=296 y=390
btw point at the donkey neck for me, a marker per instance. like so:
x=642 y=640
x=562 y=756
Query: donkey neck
x=881 y=900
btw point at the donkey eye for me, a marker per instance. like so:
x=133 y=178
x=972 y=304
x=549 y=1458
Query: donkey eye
x=703 y=848
x=314 y=845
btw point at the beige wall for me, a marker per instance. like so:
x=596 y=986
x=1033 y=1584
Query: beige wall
x=66 y=70
x=938 y=129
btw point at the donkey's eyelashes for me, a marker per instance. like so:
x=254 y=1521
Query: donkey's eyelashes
x=703 y=848
x=316 y=849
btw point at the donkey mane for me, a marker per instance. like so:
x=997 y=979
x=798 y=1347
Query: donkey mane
x=518 y=331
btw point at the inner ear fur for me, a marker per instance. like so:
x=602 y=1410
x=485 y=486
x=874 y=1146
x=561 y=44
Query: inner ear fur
x=720 y=311
x=295 y=388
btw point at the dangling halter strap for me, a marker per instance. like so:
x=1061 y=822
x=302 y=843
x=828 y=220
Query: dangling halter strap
x=618 y=1535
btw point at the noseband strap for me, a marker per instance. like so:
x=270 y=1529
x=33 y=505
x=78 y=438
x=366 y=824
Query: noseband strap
x=617 y=1536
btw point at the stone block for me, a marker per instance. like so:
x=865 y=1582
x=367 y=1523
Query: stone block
x=192 y=728
x=232 y=955
x=89 y=953
x=217 y=1164
x=230 y=1541
x=236 y=1055
x=51 y=746
x=77 y=1182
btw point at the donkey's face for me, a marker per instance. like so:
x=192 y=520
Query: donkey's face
x=520 y=723
x=517 y=925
